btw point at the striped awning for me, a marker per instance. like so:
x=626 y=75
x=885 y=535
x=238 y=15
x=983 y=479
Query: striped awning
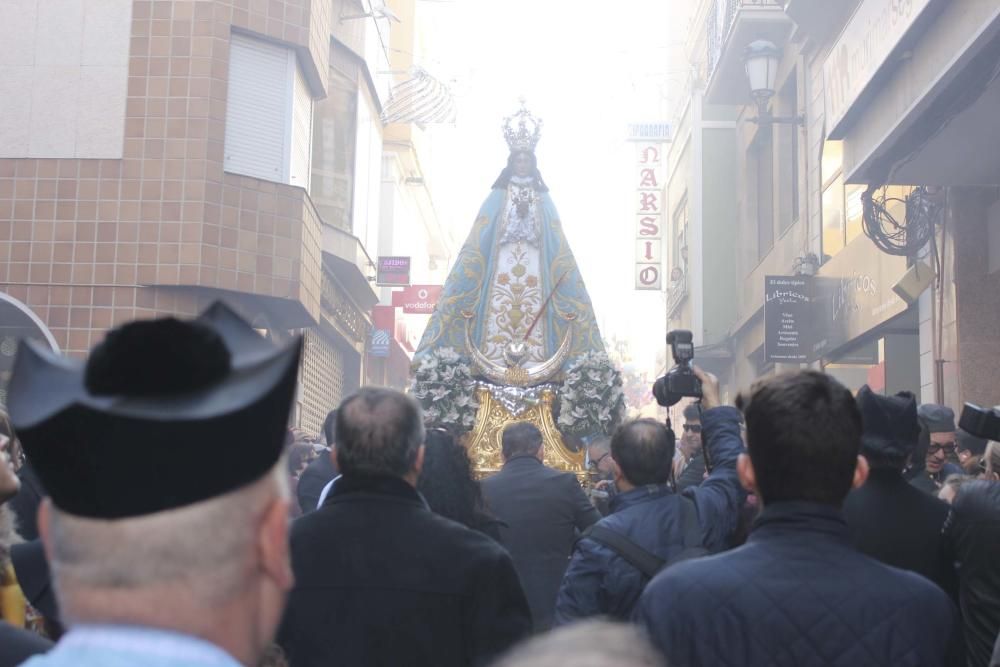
x=421 y=99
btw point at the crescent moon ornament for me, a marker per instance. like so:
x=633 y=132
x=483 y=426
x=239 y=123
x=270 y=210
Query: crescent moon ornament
x=514 y=374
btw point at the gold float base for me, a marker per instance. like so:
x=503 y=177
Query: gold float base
x=484 y=442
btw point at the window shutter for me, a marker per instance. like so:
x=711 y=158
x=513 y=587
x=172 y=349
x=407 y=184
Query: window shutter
x=257 y=110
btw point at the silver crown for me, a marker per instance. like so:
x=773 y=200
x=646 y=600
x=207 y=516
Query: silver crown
x=522 y=130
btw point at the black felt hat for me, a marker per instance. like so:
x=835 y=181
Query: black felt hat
x=937 y=418
x=890 y=428
x=165 y=413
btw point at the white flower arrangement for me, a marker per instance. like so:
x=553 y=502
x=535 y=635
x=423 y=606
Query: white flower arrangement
x=446 y=390
x=592 y=400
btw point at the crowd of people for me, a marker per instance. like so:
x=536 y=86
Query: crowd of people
x=805 y=525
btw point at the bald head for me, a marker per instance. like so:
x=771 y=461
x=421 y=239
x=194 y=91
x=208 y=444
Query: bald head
x=379 y=432
x=644 y=451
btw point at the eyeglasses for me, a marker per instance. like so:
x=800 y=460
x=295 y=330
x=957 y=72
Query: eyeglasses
x=596 y=462
x=946 y=447
x=692 y=428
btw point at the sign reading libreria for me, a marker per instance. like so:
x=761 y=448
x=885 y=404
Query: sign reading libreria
x=788 y=316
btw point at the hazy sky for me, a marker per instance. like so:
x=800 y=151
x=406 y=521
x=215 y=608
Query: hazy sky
x=587 y=68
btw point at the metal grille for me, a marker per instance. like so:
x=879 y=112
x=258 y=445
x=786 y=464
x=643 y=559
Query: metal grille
x=322 y=381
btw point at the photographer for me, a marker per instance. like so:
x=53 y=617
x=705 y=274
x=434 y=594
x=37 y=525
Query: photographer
x=650 y=527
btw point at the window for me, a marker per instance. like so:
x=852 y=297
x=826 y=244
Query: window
x=335 y=143
x=788 y=156
x=764 y=149
x=843 y=210
x=834 y=200
x=678 y=236
x=268 y=113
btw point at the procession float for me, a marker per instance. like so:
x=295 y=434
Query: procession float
x=513 y=337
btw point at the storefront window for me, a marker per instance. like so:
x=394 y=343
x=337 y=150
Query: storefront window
x=854 y=212
x=833 y=217
x=843 y=212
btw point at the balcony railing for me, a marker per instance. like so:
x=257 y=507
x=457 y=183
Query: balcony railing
x=720 y=19
x=730 y=26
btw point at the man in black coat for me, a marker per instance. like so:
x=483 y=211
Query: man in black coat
x=798 y=592
x=974 y=535
x=380 y=579
x=888 y=518
x=320 y=471
x=543 y=509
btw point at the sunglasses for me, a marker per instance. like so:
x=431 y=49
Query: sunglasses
x=946 y=447
x=692 y=428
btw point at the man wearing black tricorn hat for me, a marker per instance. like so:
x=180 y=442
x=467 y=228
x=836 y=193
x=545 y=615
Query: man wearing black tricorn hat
x=157 y=561
x=889 y=519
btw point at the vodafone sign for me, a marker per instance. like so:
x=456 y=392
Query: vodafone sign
x=417 y=299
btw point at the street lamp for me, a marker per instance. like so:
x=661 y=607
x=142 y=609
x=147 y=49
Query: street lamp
x=761 y=62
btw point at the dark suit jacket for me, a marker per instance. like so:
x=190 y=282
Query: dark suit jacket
x=17 y=645
x=693 y=473
x=317 y=475
x=891 y=520
x=543 y=509
x=381 y=581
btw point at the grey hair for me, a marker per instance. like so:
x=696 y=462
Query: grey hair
x=205 y=547
x=592 y=643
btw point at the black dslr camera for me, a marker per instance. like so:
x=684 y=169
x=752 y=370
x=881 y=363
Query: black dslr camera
x=980 y=422
x=680 y=381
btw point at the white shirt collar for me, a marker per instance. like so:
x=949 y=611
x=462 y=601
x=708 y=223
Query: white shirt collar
x=153 y=643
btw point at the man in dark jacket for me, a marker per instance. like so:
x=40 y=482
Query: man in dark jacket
x=692 y=471
x=382 y=580
x=599 y=580
x=974 y=534
x=320 y=471
x=937 y=447
x=888 y=518
x=542 y=509
x=798 y=593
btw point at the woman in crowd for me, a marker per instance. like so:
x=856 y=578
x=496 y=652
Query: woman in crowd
x=448 y=486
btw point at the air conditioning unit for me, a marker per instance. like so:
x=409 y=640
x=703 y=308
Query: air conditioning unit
x=913 y=283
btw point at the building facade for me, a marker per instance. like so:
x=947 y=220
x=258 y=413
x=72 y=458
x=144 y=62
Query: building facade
x=857 y=112
x=156 y=155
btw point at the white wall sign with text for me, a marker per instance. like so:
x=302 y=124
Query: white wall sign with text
x=648 y=209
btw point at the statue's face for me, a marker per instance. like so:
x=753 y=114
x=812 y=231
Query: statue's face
x=522 y=164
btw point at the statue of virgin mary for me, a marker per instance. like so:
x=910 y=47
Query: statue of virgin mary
x=515 y=301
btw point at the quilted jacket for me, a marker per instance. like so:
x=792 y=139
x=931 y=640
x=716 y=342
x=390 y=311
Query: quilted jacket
x=797 y=593
x=600 y=582
x=974 y=534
